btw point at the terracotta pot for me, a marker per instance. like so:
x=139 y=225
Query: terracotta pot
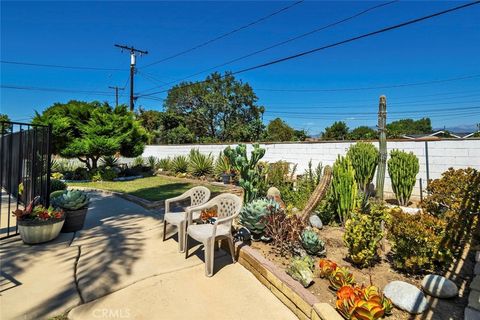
x=33 y=232
x=74 y=220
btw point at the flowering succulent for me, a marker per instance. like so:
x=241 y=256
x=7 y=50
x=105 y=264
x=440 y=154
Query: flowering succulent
x=38 y=212
x=367 y=310
x=362 y=303
x=326 y=267
x=340 y=277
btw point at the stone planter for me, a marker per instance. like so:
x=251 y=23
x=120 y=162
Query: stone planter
x=33 y=232
x=74 y=220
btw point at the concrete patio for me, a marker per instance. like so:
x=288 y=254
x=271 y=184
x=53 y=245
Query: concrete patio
x=118 y=267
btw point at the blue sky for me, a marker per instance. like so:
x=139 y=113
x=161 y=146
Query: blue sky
x=83 y=34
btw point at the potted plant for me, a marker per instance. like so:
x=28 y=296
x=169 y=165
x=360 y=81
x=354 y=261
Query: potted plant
x=38 y=224
x=75 y=205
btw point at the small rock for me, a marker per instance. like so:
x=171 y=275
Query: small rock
x=439 y=286
x=315 y=221
x=475 y=285
x=474 y=300
x=273 y=192
x=406 y=296
x=476 y=271
x=471 y=314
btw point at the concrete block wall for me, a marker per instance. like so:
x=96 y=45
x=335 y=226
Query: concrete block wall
x=442 y=154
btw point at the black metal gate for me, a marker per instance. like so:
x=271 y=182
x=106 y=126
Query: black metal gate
x=25 y=164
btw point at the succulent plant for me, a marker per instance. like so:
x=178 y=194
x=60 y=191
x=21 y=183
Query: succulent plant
x=312 y=243
x=71 y=200
x=300 y=269
x=360 y=302
x=326 y=267
x=341 y=277
x=253 y=214
x=367 y=310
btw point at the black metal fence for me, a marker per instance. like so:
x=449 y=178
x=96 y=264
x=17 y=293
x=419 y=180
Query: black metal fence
x=25 y=164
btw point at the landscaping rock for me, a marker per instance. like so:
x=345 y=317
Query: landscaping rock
x=471 y=314
x=475 y=285
x=406 y=297
x=273 y=192
x=315 y=221
x=474 y=300
x=439 y=286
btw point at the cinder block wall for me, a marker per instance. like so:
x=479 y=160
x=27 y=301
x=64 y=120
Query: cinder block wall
x=442 y=155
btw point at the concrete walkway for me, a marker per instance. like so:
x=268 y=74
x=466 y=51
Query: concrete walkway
x=118 y=267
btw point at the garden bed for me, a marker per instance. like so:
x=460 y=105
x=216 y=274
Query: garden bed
x=381 y=274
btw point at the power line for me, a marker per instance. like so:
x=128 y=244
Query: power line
x=32 y=88
x=60 y=66
x=358 y=14
x=224 y=35
x=365 y=35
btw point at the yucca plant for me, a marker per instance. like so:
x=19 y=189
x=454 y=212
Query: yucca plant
x=138 y=162
x=222 y=165
x=152 y=162
x=110 y=161
x=164 y=164
x=199 y=164
x=403 y=169
x=179 y=164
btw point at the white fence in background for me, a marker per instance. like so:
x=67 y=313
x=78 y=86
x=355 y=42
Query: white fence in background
x=434 y=156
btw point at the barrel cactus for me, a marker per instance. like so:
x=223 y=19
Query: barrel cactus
x=403 y=169
x=71 y=200
x=312 y=243
x=253 y=214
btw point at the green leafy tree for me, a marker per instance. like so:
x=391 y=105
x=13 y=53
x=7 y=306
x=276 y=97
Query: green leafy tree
x=398 y=128
x=221 y=108
x=279 y=130
x=362 y=133
x=337 y=131
x=90 y=130
x=300 y=135
x=4 y=118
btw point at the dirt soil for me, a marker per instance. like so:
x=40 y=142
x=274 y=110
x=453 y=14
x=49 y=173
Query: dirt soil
x=381 y=274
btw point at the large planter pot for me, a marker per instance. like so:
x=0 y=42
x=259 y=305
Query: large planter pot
x=33 y=232
x=74 y=220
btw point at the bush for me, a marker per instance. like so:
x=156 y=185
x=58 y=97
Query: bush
x=164 y=164
x=179 y=164
x=403 y=169
x=138 y=162
x=80 y=173
x=56 y=185
x=419 y=242
x=152 y=162
x=363 y=233
x=57 y=175
x=199 y=164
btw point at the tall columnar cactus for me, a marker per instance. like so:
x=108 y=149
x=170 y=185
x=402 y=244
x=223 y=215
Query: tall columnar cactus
x=364 y=157
x=403 y=169
x=344 y=188
x=382 y=133
x=250 y=177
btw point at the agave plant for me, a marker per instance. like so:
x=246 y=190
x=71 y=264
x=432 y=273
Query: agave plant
x=312 y=243
x=327 y=267
x=179 y=164
x=253 y=214
x=152 y=162
x=71 y=200
x=340 y=277
x=164 y=164
x=199 y=164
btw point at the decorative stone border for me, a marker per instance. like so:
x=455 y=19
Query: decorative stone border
x=298 y=299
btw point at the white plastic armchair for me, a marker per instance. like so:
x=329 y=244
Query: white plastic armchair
x=198 y=196
x=228 y=208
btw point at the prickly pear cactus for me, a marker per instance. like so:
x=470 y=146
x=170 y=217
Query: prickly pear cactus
x=312 y=243
x=253 y=214
x=300 y=269
x=71 y=200
x=403 y=169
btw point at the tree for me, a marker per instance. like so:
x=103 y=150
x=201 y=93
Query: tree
x=337 y=131
x=90 y=130
x=362 y=133
x=300 y=135
x=402 y=127
x=220 y=108
x=279 y=130
x=4 y=118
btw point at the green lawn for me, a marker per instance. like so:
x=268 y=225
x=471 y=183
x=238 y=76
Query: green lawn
x=151 y=188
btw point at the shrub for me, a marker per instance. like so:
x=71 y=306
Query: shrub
x=164 y=164
x=419 y=242
x=109 y=161
x=56 y=185
x=344 y=188
x=108 y=174
x=138 y=162
x=364 y=157
x=57 y=175
x=199 y=164
x=80 y=173
x=403 y=169
x=152 y=162
x=363 y=233
x=179 y=164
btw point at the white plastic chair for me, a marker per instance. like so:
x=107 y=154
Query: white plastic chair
x=228 y=207
x=198 y=196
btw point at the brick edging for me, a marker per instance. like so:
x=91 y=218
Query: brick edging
x=298 y=299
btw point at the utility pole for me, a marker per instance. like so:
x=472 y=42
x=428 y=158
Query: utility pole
x=133 y=52
x=116 y=94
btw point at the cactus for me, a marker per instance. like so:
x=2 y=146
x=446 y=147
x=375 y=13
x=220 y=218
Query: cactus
x=344 y=188
x=312 y=243
x=382 y=164
x=318 y=194
x=250 y=177
x=300 y=269
x=253 y=214
x=71 y=200
x=403 y=169
x=364 y=157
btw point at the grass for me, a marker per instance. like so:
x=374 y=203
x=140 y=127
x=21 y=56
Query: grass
x=150 y=188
